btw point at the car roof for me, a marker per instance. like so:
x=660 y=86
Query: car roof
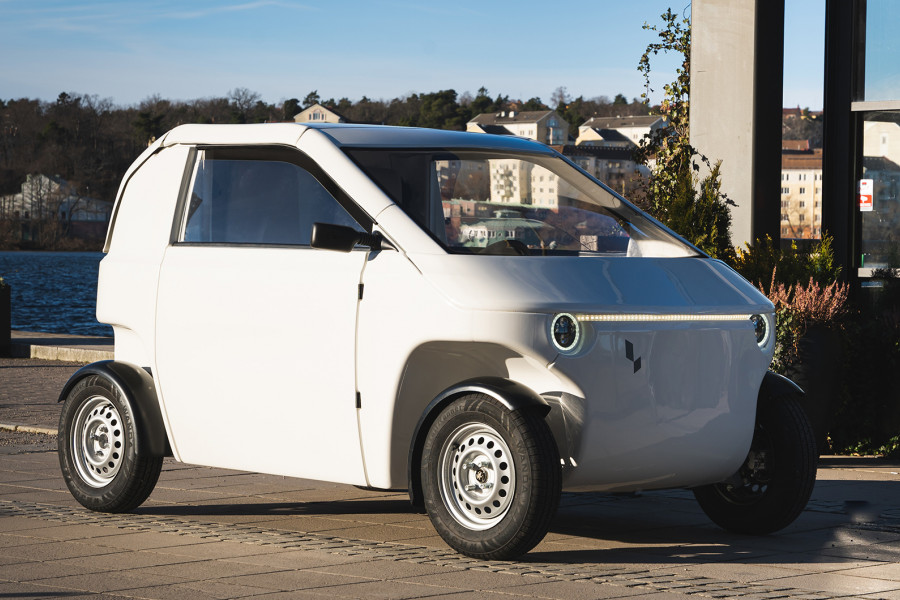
x=348 y=135
x=383 y=136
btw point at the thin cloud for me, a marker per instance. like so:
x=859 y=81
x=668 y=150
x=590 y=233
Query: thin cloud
x=102 y=17
x=213 y=10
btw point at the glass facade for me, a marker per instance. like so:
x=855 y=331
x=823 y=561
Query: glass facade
x=878 y=202
x=882 y=47
x=875 y=120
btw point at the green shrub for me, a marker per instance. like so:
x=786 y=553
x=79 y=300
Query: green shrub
x=766 y=263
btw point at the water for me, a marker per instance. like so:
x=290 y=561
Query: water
x=54 y=292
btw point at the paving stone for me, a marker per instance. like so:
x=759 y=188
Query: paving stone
x=126 y=580
x=29 y=590
x=387 y=589
x=576 y=590
x=295 y=580
x=47 y=550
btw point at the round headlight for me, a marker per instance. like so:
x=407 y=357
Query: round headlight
x=761 y=327
x=565 y=331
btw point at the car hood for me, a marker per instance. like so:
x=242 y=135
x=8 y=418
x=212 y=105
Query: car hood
x=591 y=284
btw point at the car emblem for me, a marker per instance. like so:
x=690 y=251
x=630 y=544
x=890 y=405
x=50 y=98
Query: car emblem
x=629 y=354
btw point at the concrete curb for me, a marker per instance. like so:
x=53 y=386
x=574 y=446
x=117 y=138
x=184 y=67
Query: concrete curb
x=80 y=355
x=26 y=429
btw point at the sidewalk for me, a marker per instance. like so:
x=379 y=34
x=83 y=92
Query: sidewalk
x=213 y=533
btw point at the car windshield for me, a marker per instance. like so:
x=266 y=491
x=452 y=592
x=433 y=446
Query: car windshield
x=482 y=202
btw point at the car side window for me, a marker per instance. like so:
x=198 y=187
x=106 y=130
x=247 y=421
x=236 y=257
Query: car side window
x=250 y=201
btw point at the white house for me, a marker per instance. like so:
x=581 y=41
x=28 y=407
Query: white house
x=318 y=114
x=44 y=197
x=617 y=132
x=545 y=126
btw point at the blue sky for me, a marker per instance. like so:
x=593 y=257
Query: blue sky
x=181 y=49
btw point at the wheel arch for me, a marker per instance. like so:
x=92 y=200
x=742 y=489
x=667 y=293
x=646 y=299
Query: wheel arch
x=778 y=386
x=136 y=387
x=511 y=394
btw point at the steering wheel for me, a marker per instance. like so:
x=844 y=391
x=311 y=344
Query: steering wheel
x=510 y=247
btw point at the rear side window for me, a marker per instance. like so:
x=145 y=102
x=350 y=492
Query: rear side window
x=250 y=200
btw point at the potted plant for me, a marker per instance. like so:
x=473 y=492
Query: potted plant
x=810 y=307
x=808 y=348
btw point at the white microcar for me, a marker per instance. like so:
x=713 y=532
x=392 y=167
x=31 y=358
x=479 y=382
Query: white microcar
x=468 y=317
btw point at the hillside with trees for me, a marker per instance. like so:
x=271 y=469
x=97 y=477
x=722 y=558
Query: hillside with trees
x=89 y=142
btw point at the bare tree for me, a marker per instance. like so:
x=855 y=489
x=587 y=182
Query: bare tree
x=560 y=97
x=242 y=102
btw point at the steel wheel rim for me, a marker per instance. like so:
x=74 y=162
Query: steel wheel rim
x=749 y=485
x=98 y=441
x=477 y=476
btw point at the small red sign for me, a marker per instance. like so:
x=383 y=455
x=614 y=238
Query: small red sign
x=866 y=195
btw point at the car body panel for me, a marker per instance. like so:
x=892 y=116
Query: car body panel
x=577 y=284
x=319 y=364
x=667 y=405
x=267 y=377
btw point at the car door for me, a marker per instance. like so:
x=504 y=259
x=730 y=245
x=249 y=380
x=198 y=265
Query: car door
x=255 y=330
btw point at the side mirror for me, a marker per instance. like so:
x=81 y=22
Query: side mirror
x=343 y=239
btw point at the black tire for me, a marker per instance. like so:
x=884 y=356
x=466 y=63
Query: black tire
x=491 y=478
x=773 y=485
x=96 y=447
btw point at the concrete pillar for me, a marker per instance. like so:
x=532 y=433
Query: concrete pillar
x=737 y=65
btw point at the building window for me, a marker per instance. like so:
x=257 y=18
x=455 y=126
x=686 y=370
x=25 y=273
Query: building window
x=802 y=218
x=784 y=217
x=802 y=203
x=785 y=190
x=803 y=190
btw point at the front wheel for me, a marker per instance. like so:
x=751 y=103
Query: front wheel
x=96 y=446
x=491 y=478
x=773 y=485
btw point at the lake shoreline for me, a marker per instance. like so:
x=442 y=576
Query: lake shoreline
x=53 y=291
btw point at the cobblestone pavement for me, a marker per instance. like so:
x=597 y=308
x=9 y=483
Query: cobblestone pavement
x=18 y=442
x=29 y=390
x=213 y=533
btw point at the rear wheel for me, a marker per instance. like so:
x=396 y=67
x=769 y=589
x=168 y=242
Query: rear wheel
x=773 y=485
x=491 y=478
x=96 y=447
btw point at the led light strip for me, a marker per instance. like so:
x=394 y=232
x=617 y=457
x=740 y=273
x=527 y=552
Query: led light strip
x=636 y=318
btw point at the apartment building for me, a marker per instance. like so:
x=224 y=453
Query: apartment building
x=801 y=191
